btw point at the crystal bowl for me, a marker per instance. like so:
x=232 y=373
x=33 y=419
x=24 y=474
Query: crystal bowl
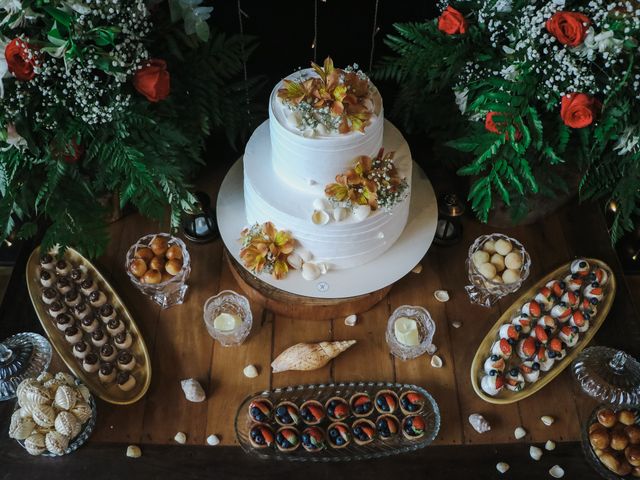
x=228 y=301
x=426 y=330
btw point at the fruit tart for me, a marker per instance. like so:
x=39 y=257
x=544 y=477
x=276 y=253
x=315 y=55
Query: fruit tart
x=413 y=427
x=287 y=439
x=386 y=401
x=261 y=436
x=411 y=402
x=364 y=431
x=312 y=412
x=337 y=408
x=313 y=439
x=338 y=435
x=361 y=404
x=260 y=410
x=387 y=426
x=286 y=414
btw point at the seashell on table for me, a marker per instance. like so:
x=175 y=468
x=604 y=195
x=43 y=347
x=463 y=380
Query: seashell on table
x=309 y=356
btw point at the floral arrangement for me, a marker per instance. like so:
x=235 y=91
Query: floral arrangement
x=335 y=100
x=104 y=98
x=373 y=181
x=266 y=249
x=543 y=87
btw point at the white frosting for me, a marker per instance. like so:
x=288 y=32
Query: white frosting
x=345 y=244
x=311 y=162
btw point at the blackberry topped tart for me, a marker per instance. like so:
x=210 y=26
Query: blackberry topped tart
x=387 y=426
x=411 y=402
x=286 y=413
x=261 y=436
x=386 y=401
x=312 y=412
x=361 y=404
x=260 y=410
x=364 y=431
x=413 y=427
x=287 y=439
x=337 y=408
x=313 y=439
x=338 y=435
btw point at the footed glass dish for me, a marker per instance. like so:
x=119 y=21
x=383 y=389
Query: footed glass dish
x=426 y=330
x=322 y=393
x=228 y=301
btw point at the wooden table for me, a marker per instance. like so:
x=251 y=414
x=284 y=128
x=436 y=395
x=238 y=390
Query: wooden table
x=180 y=348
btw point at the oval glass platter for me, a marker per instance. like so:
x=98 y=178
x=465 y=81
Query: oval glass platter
x=484 y=350
x=108 y=392
x=322 y=393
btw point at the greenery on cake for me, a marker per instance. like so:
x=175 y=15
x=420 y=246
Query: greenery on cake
x=543 y=87
x=372 y=181
x=103 y=97
x=266 y=249
x=335 y=100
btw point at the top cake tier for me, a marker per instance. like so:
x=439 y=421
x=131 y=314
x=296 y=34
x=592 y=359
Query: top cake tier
x=307 y=154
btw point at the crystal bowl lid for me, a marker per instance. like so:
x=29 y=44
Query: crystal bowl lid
x=608 y=375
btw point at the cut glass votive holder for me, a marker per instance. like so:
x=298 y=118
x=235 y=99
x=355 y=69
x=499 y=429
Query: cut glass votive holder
x=426 y=330
x=228 y=301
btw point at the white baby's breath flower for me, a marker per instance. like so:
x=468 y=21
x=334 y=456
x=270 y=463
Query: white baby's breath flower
x=461 y=99
x=503 y=6
x=628 y=142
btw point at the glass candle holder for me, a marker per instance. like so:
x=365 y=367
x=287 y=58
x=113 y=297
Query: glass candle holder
x=171 y=291
x=486 y=292
x=426 y=329
x=231 y=303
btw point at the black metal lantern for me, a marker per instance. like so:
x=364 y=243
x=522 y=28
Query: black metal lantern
x=449 y=228
x=199 y=224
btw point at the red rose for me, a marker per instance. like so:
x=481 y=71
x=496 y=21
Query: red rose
x=579 y=109
x=499 y=127
x=570 y=28
x=153 y=80
x=20 y=59
x=452 y=21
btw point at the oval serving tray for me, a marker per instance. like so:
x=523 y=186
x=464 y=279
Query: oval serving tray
x=377 y=448
x=506 y=396
x=109 y=393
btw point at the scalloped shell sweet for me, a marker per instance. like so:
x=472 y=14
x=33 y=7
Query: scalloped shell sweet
x=56 y=443
x=23 y=385
x=65 y=398
x=44 y=415
x=53 y=384
x=67 y=424
x=34 y=394
x=82 y=411
x=20 y=427
x=66 y=378
x=34 y=444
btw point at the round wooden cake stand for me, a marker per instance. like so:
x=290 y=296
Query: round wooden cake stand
x=296 y=306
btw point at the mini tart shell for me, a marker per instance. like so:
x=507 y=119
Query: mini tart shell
x=292 y=448
x=390 y=392
x=393 y=419
x=129 y=384
x=406 y=435
x=326 y=409
x=363 y=421
x=285 y=403
x=407 y=412
x=254 y=444
x=330 y=442
x=324 y=439
x=319 y=405
x=264 y=400
x=352 y=406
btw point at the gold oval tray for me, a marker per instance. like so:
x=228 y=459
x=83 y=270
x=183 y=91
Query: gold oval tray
x=477 y=366
x=109 y=393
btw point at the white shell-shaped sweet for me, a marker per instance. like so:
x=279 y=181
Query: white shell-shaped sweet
x=535 y=452
x=213 y=440
x=432 y=348
x=82 y=411
x=519 y=433
x=181 y=438
x=56 y=443
x=44 y=415
x=304 y=254
x=67 y=424
x=547 y=420
x=502 y=467
x=323 y=267
x=52 y=385
x=321 y=204
x=295 y=261
x=23 y=385
x=192 y=389
x=250 y=371
x=310 y=271
x=20 y=427
x=456 y=324
x=550 y=445
x=35 y=395
x=436 y=361
x=65 y=398
x=479 y=423
x=43 y=377
x=556 y=471
x=26 y=411
x=84 y=393
x=340 y=213
x=320 y=217
x=417 y=268
x=360 y=212
x=66 y=378
x=133 y=451
x=441 y=295
x=34 y=444
x=351 y=320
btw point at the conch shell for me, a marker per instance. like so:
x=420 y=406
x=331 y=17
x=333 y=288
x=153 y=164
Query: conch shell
x=309 y=356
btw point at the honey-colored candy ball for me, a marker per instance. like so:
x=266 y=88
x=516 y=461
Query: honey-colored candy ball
x=626 y=417
x=510 y=276
x=607 y=417
x=633 y=432
x=173 y=267
x=503 y=247
x=159 y=246
x=138 y=267
x=157 y=263
x=152 y=277
x=166 y=277
x=174 y=252
x=145 y=253
x=513 y=261
x=600 y=439
x=480 y=257
x=498 y=261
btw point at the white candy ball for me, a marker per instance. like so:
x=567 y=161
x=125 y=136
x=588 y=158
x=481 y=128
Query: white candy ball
x=513 y=261
x=510 y=276
x=503 y=247
x=487 y=270
x=489 y=246
x=498 y=261
x=480 y=257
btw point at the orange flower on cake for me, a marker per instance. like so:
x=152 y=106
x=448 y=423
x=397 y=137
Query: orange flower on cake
x=578 y=110
x=153 y=80
x=569 y=28
x=452 y=22
x=21 y=59
x=265 y=248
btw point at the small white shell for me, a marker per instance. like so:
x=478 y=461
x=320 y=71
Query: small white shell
x=65 y=398
x=82 y=411
x=456 y=324
x=547 y=420
x=321 y=204
x=56 y=443
x=52 y=385
x=181 y=438
x=535 y=452
x=304 y=254
x=351 y=320
x=34 y=444
x=133 y=451
x=20 y=427
x=432 y=348
x=213 y=440
x=556 y=471
x=44 y=415
x=479 y=423
x=310 y=271
x=250 y=371
x=295 y=261
x=502 y=467
x=340 y=213
x=360 y=212
x=519 y=433
x=67 y=424
x=192 y=389
x=320 y=217
x=550 y=445
x=26 y=411
x=441 y=295
x=323 y=267
x=417 y=268
x=436 y=361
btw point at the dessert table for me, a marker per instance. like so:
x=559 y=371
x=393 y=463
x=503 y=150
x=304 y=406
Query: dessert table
x=180 y=347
